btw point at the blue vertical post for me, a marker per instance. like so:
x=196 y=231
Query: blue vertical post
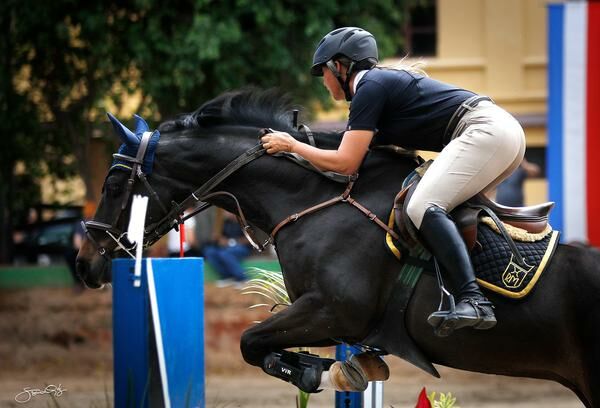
x=158 y=333
x=130 y=337
x=554 y=149
x=347 y=399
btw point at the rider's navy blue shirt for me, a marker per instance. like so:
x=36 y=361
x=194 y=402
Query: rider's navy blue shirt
x=404 y=109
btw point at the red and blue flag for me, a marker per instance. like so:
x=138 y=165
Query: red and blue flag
x=573 y=158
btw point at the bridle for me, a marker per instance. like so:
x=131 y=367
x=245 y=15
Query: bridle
x=197 y=200
x=175 y=216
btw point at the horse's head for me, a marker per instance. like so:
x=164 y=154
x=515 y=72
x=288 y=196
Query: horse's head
x=127 y=176
x=193 y=150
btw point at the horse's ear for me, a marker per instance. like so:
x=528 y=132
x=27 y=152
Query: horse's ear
x=140 y=125
x=124 y=134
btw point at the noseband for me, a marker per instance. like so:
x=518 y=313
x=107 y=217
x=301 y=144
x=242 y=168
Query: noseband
x=174 y=216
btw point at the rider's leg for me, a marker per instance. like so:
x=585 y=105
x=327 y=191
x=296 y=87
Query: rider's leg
x=490 y=146
x=444 y=241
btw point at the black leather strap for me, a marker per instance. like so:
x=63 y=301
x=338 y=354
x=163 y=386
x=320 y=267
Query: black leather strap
x=239 y=162
x=464 y=107
x=519 y=259
x=308 y=133
x=157 y=230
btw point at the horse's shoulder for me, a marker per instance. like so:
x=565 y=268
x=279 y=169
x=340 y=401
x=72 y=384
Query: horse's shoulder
x=380 y=179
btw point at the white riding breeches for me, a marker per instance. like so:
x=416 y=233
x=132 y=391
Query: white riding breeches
x=487 y=145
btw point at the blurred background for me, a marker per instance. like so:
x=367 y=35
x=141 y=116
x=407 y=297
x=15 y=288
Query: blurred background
x=65 y=63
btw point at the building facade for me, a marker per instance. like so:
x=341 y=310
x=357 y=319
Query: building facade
x=497 y=48
x=492 y=47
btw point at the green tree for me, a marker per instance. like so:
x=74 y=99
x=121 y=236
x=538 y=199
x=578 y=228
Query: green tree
x=59 y=66
x=63 y=60
x=190 y=51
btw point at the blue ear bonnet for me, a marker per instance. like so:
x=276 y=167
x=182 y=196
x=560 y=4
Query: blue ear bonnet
x=131 y=143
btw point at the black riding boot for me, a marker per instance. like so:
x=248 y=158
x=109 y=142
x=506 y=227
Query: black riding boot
x=442 y=238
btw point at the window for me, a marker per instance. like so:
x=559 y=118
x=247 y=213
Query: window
x=419 y=28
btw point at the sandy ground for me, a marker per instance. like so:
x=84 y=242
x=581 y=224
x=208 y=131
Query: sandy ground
x=59 y=336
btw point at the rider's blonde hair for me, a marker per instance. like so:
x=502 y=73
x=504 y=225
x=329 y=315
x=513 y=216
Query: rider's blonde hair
x=414 y=67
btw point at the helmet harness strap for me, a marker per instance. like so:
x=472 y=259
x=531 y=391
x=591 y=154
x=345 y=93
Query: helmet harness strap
x=344 y=83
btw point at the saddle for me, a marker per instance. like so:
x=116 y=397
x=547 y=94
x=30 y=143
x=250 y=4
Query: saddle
x=503 y=266
x=532 y=220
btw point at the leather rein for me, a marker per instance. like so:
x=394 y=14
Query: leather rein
x=175 y=216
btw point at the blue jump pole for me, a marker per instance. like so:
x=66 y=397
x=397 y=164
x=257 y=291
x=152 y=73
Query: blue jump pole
x=158 y=333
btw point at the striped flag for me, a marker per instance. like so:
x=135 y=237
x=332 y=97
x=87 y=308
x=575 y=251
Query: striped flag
x=573 y=159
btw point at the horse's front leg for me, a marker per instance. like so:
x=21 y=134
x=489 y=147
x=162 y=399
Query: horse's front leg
x=308 y=322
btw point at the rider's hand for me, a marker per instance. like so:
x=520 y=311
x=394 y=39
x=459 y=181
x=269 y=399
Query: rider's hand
x=278 y=142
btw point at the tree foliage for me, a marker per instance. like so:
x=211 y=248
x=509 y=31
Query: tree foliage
x=193 y=50
x=63 y=60
x=59 y=66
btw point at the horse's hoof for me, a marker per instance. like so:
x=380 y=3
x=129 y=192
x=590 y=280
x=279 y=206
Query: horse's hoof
x=345 y=377
x=355 y=374
x=373 y=366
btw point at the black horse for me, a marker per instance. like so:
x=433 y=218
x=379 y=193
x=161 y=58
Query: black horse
x=337 y=271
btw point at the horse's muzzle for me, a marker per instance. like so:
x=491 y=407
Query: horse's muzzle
x=93 y=274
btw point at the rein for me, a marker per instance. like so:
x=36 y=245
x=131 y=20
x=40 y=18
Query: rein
x=174 y=216
x=202 y=194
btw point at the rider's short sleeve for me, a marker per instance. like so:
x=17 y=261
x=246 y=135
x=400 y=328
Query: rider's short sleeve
x=367 y=106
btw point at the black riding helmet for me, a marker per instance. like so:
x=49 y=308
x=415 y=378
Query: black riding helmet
x=354 y=43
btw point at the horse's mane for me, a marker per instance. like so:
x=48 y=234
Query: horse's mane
x=253 y=107
x=245 y=107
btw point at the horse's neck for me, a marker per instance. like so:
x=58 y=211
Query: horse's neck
x=276 y=189
x=268 y=189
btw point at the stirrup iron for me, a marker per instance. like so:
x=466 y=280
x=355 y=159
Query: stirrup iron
x=443 y=321
x=443 y=291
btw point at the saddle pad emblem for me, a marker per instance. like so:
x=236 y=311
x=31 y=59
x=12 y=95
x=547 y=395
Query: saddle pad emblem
x=514 y=275
x=496 y=269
